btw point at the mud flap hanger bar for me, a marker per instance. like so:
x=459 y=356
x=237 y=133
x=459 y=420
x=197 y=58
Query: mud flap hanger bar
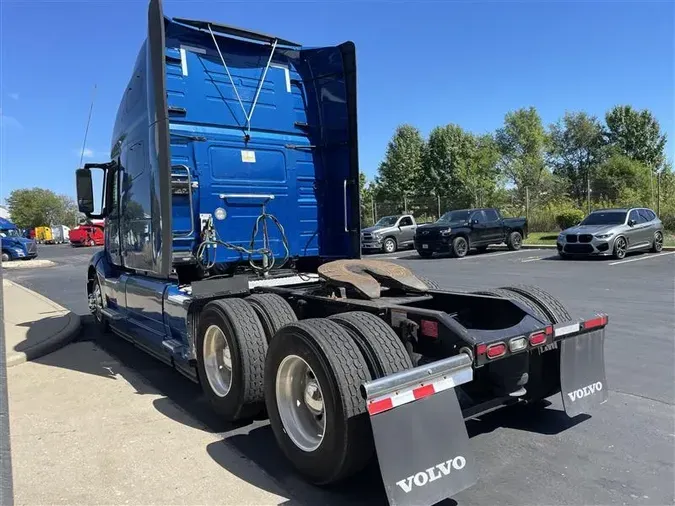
x=420 y=436
x=248 y=115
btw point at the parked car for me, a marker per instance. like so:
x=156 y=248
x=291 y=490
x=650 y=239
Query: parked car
x=389 y=234
x=613 y=232
x=87 y=235
x=458 y=231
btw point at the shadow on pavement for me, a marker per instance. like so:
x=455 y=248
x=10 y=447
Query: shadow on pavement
x=49 y=324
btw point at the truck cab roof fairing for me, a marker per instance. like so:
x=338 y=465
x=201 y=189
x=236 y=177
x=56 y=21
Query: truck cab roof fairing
x=237 y=32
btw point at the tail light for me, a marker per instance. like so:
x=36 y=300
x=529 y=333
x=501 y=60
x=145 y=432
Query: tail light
x=537 y=338
x=496 y=350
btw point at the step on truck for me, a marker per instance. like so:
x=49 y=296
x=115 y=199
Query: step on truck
x=232 y=253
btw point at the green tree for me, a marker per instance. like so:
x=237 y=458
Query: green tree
x=482 y=177
x=637 y=135
x=522 y=143
x=576 y=150
x=622 y=181
x=37 y=207
x=402 y=164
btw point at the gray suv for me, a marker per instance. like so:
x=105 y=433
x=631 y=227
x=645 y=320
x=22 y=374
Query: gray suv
x=613 y=232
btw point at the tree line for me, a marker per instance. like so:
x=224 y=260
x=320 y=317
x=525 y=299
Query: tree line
x=576 y=163
x=38 y=207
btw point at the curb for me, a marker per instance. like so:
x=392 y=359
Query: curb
x=63 y=337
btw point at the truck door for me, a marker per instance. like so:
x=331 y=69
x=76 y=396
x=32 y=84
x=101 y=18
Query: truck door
x=407 y=228
x=494 y=228
x=478 y=228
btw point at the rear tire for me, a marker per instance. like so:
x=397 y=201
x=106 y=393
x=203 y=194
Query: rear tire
x=460 y=247
x=657 y=244
x=231 y=348
x=514 y=241
x=380 y=346
x=273 y=311
x=336 y=370
x=544 y=373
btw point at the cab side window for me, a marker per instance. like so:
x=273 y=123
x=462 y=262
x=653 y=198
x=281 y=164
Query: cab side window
x=635 y=216
x=491 y=215
x=646 y=215
x=405 y=222
x=478 y=216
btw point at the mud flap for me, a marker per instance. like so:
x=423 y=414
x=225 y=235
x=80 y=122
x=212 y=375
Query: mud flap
x=421 y=439
x=582 y=372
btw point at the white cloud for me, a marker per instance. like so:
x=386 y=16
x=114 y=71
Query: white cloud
x=84 y=153
x=14 y=96
x=9 y=122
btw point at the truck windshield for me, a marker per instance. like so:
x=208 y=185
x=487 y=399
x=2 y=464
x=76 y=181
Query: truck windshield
x=455 y=216
x=605 y=218
x=10 y=232
x=387 y=221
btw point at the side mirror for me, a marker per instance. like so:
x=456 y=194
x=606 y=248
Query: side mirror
x=474 y=221
x=631 y=223
x=85 y=191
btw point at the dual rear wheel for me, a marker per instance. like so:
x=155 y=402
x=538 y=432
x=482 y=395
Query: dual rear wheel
x=253 y=355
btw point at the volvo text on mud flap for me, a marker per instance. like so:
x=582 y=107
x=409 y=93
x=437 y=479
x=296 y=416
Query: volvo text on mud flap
x=421 y=460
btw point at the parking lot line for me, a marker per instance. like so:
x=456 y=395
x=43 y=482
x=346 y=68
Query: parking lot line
x=532 y=259
x=490 y=255
x=642 y=258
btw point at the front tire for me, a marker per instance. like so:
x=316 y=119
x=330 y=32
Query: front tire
x=620 y=248
x=313 y=373
x=389 y=245
x=460 y=247
x=514 y=241
x=5 y=257
x=231 y=347
x=657 y=245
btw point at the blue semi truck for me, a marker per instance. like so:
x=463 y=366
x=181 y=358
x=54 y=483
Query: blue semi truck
x=14 y=245
x=232 y=253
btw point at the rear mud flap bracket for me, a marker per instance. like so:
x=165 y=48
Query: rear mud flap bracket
x=420 y=435
x=583 y=379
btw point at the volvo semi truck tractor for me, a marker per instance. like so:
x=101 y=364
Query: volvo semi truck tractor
x=232 y=253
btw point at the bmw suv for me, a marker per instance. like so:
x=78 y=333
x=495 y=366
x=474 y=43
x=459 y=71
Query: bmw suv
x=613 y=232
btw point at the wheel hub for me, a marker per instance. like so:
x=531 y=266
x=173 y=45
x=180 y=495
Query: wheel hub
x=300 y=403
x=217 y=361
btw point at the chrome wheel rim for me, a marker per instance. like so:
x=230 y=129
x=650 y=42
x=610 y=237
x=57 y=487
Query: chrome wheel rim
x=658 y=241
x=300 y=403
x=621 y=248
x=389 y=246
x=217 y=361
x=96 y=302
x=516 y=240
x=461 y=247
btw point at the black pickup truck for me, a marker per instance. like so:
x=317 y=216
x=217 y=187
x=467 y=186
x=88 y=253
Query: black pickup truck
x=458 y=231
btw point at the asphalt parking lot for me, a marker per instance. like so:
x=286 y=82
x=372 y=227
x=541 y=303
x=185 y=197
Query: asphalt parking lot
x=622 y=454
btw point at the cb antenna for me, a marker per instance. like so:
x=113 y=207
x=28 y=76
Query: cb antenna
x=86 y=130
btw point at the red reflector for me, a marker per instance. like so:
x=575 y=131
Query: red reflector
x=496 y=350
x=595 y=322
x=549 y=330
x=537 y=338
x=430 y=328
x=422 y=392
x=379 y=406
x=481 y=349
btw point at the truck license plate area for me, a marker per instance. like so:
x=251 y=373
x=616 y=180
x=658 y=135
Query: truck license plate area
x=420 y=437
x=582 y=372
x=425 y=246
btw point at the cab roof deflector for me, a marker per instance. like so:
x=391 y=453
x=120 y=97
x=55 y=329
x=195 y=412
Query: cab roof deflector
x=237 y=32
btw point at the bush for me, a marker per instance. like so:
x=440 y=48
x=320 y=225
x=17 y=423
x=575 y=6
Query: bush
x=569 y=218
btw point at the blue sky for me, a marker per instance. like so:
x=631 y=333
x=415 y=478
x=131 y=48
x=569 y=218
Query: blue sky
x=426 y=63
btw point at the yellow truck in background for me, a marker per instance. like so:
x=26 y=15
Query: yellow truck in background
x=43 y=234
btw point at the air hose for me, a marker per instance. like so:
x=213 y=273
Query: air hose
x=211 y=239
